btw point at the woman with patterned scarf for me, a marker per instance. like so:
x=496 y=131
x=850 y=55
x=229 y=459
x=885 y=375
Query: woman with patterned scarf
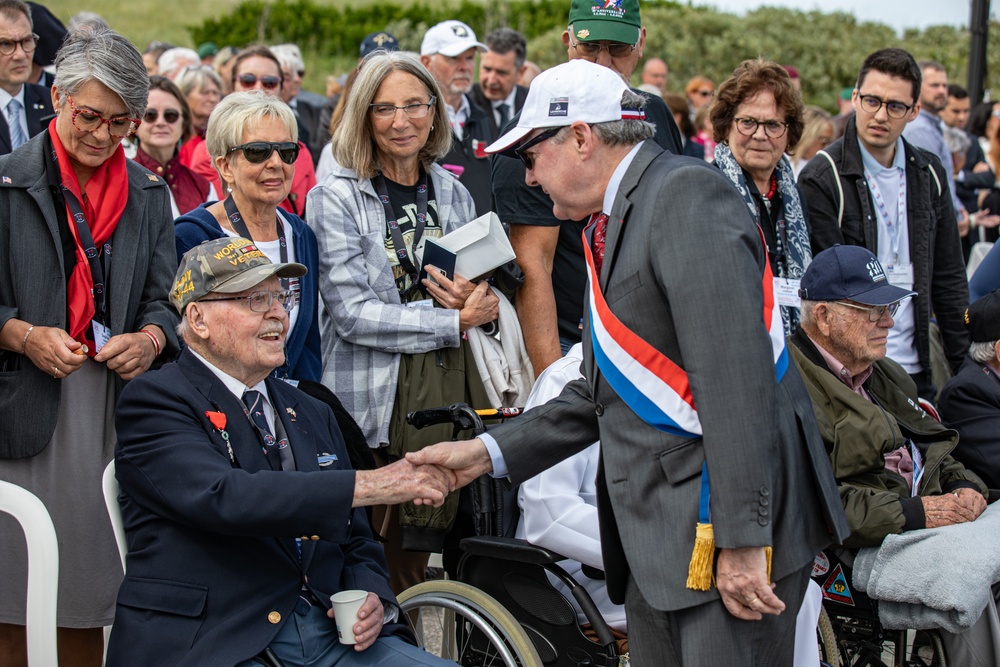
x=758 y=116
x=86 y=263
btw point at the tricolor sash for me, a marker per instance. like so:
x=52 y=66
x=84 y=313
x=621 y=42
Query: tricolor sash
x=657 y=390
x=652 y=385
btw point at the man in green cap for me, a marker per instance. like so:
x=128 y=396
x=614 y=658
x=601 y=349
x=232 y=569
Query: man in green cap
x=550 y=302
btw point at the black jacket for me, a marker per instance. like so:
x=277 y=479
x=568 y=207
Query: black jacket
x=935 y=249
x=477 y=97
x=970 y=404
x=470 y=154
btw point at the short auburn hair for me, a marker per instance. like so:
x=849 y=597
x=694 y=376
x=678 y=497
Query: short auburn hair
x=750 y=78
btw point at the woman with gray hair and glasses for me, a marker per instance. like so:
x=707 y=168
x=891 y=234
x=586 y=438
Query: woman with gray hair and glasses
x=86 y=263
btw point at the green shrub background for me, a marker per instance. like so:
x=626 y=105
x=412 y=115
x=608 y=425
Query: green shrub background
x=826 y=48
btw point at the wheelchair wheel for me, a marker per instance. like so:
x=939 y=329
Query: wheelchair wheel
x=897 y=649
x=921 y=648
x=460 y=622
x=829 y=651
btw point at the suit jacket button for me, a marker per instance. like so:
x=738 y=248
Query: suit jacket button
x=599 y=409
x=764 y=491
x=274 y=618
x=763 y=502
x=762 y=511
x=762 y=520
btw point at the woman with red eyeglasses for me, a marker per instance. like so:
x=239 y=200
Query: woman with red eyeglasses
x=257 y=68
x=86 y=263
x=166 y=121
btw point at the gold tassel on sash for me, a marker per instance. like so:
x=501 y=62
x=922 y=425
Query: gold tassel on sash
x=703 y=559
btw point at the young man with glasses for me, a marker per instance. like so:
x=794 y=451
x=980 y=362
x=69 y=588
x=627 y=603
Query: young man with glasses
x=22 y=104
x=874 y=189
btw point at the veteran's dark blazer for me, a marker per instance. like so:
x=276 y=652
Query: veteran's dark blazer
x=682 y=269
x=33 y=261
x=212 y=568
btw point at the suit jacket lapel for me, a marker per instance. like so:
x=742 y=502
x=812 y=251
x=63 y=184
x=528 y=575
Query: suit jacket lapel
x=620 y=209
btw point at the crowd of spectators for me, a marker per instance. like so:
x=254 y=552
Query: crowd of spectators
x=327 y=204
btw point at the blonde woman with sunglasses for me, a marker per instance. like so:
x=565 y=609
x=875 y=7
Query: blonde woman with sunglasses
x=253 y=140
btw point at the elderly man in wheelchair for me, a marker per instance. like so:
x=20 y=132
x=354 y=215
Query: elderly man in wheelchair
x=891 y=460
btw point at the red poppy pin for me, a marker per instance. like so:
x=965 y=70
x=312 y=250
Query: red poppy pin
x=218 y=419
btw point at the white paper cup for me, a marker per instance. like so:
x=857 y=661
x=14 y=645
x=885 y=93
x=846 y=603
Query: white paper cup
x=346 y=605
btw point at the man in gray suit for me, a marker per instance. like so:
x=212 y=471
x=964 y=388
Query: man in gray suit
x=679 y=310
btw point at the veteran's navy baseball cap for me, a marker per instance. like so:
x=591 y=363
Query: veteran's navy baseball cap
x=849 y=272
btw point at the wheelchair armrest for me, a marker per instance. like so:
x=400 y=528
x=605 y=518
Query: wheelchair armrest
x=509 y=548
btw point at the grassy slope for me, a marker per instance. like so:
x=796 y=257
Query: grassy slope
x=145 y=21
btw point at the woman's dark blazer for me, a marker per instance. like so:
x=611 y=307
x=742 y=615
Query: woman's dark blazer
x=33 y=282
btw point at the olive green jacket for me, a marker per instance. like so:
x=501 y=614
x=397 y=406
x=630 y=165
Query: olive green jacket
x=859 y=433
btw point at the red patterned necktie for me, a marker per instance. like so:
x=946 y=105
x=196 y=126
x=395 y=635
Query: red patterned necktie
x=597 y=244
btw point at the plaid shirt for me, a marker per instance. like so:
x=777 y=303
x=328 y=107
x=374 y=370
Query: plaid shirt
x=363 y=325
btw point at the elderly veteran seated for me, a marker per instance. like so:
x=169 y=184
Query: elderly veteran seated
x=970 y=402
x=241 y=510
x=892 y=461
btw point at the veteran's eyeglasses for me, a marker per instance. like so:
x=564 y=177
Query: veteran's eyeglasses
x=875 y=313
x=260 y=302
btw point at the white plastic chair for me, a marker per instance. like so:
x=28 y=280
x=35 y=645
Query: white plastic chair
x=976 y=257
x=110 y=486
x=43 y=571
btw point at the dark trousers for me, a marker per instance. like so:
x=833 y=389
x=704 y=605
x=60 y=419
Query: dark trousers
x=709 y=636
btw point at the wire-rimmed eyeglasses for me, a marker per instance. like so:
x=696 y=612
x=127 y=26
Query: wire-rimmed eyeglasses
x=875 y=313
x=417 y=110
x=260 y=302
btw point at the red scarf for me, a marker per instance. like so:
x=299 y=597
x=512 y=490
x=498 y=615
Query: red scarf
x=103 y=202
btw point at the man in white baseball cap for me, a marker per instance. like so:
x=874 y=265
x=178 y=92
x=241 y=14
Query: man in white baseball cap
x=448 y=51
x=679 y=279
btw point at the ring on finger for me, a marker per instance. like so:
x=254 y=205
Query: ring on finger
x=55 y=371
x=750 y=602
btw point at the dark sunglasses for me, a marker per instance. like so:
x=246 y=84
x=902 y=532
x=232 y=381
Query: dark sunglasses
x=268 y=82
x=170 y=116
x=529 y=160
x=256 y=152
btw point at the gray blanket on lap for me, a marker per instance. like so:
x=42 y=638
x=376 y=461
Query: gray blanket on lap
x=935 y=577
